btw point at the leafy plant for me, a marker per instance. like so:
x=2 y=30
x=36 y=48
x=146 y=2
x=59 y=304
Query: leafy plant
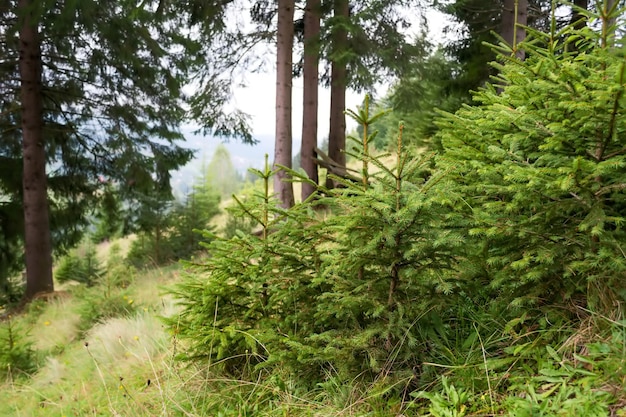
x=450 y=402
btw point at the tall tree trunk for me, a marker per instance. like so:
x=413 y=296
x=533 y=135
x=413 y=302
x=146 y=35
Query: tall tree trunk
x=578 y=19
x=338 y=86
x=310 y=75
x=514 y=17
x=38 y=247
x=283 y=140
x=609 y=22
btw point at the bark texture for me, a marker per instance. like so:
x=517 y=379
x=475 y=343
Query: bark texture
x=514 y=18
x=310 y=74
x=578 y=19
x=338 y=86
x=283 y=140
x=37 y=241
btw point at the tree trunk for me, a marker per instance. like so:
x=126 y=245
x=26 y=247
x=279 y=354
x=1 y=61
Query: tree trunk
x=338 y=86
x=37 y=241
x=283 y=140
x=514 y=17
x=310 y=94
x=609 y=22
x=578 y=22
x=578 y=19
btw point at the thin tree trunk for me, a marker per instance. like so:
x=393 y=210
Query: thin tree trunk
x=578 y=22
x=578 y=19
x=608 y=23
x=338 y=86
x=283 y=140
x=310 y=94
x=514 y=17
x=37 y=241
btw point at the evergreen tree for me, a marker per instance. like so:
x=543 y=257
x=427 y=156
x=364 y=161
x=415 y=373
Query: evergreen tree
x=91 y=104
x=542 y=168
x=485 y=22
x=109 y=216
x=220 y=175
x=415 y=99
x=190 y=218
x=349 y=293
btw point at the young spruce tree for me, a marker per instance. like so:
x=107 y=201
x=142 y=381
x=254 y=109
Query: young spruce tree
x=542 y=167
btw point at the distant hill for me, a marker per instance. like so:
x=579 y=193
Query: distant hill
x=243 y=157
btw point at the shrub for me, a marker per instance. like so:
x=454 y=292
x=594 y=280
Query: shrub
x=17 y=356
x=80 y=265
x=308 y=293
x=541 y=166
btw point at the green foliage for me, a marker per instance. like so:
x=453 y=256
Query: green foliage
x=80 y=265
x=171 y=232
x=450 y=402
x=541 y=166
x=189 y=218
x=17 y=356
x=348 y=292
x=96 y=306
x=391 y=261
x=465 y=278
x=252 y=298
x=110 y=111
x=414 y=101
x=238 y=222
x=109 y=216
x=118 y=273
x=220 y=174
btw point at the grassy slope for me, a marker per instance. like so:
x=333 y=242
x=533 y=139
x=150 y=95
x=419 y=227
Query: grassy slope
x=103 y=371
x=125 y=366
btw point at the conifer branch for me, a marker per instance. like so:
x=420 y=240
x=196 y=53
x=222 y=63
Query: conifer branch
x=616 y=107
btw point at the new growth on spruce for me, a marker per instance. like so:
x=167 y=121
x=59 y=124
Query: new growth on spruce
x=541 y=166
x=310 y=293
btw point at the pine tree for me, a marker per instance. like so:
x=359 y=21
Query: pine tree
x=254 y=289
x=348 y=292
x=220 y=175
